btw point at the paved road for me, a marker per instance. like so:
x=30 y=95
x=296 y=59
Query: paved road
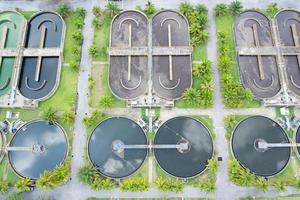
x=73 y=189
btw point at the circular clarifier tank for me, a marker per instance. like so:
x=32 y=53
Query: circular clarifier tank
x=194 y=147
x=248 y=146
x=105 y=152
x=36 y=147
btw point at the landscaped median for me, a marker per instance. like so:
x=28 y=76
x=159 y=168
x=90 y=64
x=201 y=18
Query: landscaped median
x=243 y=177
x=234 y=94
x=140 y=180
x=59 y=108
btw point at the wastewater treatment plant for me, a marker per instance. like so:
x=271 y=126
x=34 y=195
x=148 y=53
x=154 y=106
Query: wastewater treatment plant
x=156 y=100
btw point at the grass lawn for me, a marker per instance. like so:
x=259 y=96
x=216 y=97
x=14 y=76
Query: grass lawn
x=101 y=87
x=200 y=53
x=63 y=99
x=27 y=14
x=225 y=24
x=101 y=39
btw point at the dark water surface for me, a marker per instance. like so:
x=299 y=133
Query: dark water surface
x=108 y=162
x=262 y=163
x=186 y=164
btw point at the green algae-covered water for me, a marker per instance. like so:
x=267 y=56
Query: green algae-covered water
x=11 y=27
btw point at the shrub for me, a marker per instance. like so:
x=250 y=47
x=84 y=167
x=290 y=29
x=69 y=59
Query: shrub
x=64 y=10
x=95 y=117
x=208 y=185
x=106 y=101
x=49 y=114
x=23 y=184
x=149 y=8
x=97 y=11
x=93 y=50
x=272 y=9
x=87 y=174
x=3 y=186
x=78 y=37
x=68 y=117
x=169 y=185
x=74 y=65
x=135 y=185
x=235 y=7
x=102 y=184
x=221 y=9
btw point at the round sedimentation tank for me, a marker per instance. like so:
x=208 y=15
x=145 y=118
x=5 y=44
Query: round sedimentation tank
x=36 y=147
x=246 y=143
x=187 y=162
x=104 y=147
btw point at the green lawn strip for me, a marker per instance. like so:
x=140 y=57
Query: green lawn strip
x=71 y=28
x=225 y=24
x=101 y=39
x=101 y=88
x=26 y=14
x=200 y=52
x=107 y=92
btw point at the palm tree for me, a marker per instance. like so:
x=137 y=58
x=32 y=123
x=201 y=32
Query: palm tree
x=213 y=165
x=262 y=184
x=272 y=9
x=191 y=96
x=49 y=115
x=235 y=7
x=23 y=184
x=97 y=11
x=87 y=174
x=3 y=186
x=63 y=9
x=279 y=185
x=220 y=9
x=106 y=101
x=149 y=8
x=68 y=117
x=185 y=8
x=112 y=9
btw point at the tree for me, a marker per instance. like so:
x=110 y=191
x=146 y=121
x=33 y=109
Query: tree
x=191 y=96
x=135 y=185
x=52 y=179
x=112 y=9
x=93 y=50
x=63 y=9
x=68 y=117
x=106 y=101
x=185 y=8
x=91 y=83
x=220 y=9
x=87 y=174
x=97 y=23
x=262 y=184
x=3 y=186
x=272 y=9
x=49 y=115
x=23 y=184
x=149 y=8
x=77 y=35
x=97 y=11
x=169 y=185
x=203 y=69
x=213 y=165
x=80 y=12
x=74 y=65
x=102 y=184
x=208 y=185
x=279 y=185
x=235 y=7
